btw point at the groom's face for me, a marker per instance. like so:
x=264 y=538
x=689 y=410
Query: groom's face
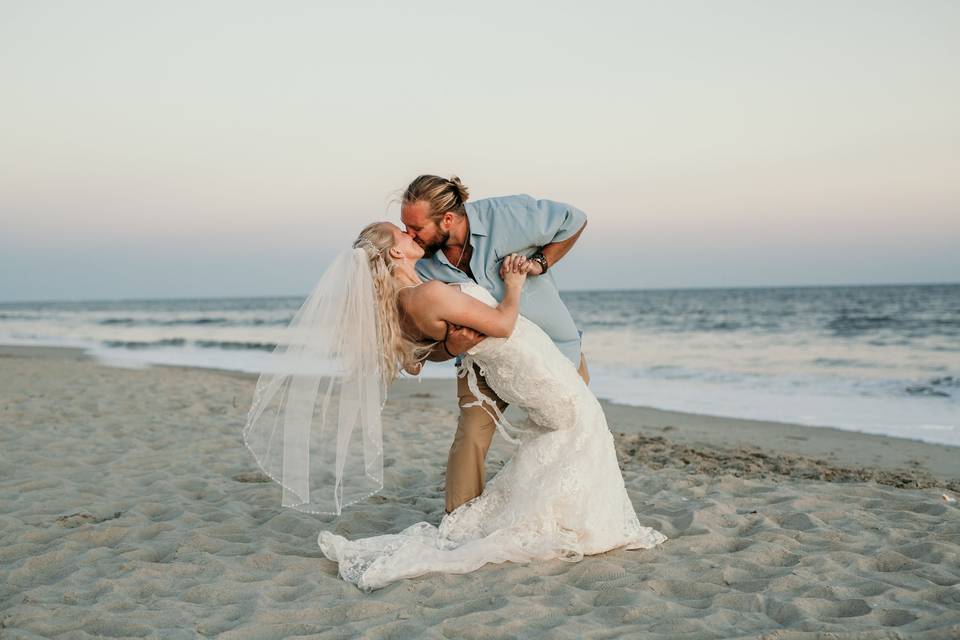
x=424 y=231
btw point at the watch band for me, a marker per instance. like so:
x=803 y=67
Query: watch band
x=542 y=259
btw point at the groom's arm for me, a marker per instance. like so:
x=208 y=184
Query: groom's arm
x=438 y=354
x=553 y=227
x=459 y=340
x=554 y=251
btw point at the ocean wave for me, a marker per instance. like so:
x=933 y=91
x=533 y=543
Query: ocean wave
x=924 y=390
x=141 y=322
x=843 y=362
x=851 y=325
x=144 y=344
x=229 y=345
x=202 y=321
x=236 y=345
x=680 y=324
x=21 y=316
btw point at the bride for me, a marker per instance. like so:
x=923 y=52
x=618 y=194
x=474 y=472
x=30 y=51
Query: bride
x=560 y=496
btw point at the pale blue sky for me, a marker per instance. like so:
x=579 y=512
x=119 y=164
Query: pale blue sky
x=172 y=149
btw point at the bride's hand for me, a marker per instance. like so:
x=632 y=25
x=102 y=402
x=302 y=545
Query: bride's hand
x=513 y=270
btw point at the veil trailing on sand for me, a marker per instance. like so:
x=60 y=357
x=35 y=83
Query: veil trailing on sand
x=314 y=425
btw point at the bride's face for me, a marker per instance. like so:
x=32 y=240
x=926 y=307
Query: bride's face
x=424 y=231
x=405 y=244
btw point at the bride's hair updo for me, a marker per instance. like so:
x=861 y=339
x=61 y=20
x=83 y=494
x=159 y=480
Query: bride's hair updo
x=397 y=350
x=440 y=193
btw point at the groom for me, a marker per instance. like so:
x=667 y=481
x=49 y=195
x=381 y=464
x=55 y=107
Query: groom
x=464 y=242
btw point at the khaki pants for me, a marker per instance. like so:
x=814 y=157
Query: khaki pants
x=465 y=464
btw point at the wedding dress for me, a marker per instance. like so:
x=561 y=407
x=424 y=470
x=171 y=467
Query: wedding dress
x=561 y=495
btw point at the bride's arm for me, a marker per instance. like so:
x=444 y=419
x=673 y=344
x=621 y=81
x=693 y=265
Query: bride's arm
x=449 y=304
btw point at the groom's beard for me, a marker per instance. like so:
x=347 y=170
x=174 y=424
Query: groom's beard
x=430 y=249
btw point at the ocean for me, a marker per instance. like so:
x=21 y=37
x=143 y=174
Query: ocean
x=878 y=359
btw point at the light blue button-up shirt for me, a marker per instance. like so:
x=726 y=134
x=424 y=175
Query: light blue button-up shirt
x=517 y=224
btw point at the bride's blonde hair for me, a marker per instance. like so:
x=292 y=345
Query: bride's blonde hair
x=397 y=350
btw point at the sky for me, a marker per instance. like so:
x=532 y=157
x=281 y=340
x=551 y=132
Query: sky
x=195 y=149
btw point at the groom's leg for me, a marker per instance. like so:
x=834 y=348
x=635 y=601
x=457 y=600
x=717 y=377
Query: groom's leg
x=582 y=369
x=465 y=464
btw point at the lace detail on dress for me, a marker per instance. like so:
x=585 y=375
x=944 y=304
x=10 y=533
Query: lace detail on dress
x=560 y=496
x=483 y=401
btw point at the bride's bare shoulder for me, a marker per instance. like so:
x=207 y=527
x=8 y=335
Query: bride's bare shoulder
x=435 y=289
x=428 y=296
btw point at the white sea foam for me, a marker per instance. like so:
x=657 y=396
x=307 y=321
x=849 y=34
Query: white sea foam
x=798 y=401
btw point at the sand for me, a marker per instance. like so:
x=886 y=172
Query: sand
x=129 y=507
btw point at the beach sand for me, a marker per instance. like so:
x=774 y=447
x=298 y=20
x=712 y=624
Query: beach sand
x=129 y=507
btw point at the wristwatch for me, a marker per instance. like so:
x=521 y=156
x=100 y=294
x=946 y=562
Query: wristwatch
x=539 y=257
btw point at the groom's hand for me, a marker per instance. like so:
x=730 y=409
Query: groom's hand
x=461 y=339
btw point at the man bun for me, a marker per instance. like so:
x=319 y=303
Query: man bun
x=460 y=189
x=442 y=194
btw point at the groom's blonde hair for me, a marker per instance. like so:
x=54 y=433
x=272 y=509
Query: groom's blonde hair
x=396 y=349
x=441 y=194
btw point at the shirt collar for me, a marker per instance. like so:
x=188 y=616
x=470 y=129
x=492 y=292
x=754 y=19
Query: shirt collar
x=476 y=229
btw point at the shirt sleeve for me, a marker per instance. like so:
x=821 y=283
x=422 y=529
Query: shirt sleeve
x=548 y=221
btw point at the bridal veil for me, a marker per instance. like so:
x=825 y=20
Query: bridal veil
x=314 y=425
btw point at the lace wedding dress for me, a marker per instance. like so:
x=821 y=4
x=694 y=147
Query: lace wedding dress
x=561 y=495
